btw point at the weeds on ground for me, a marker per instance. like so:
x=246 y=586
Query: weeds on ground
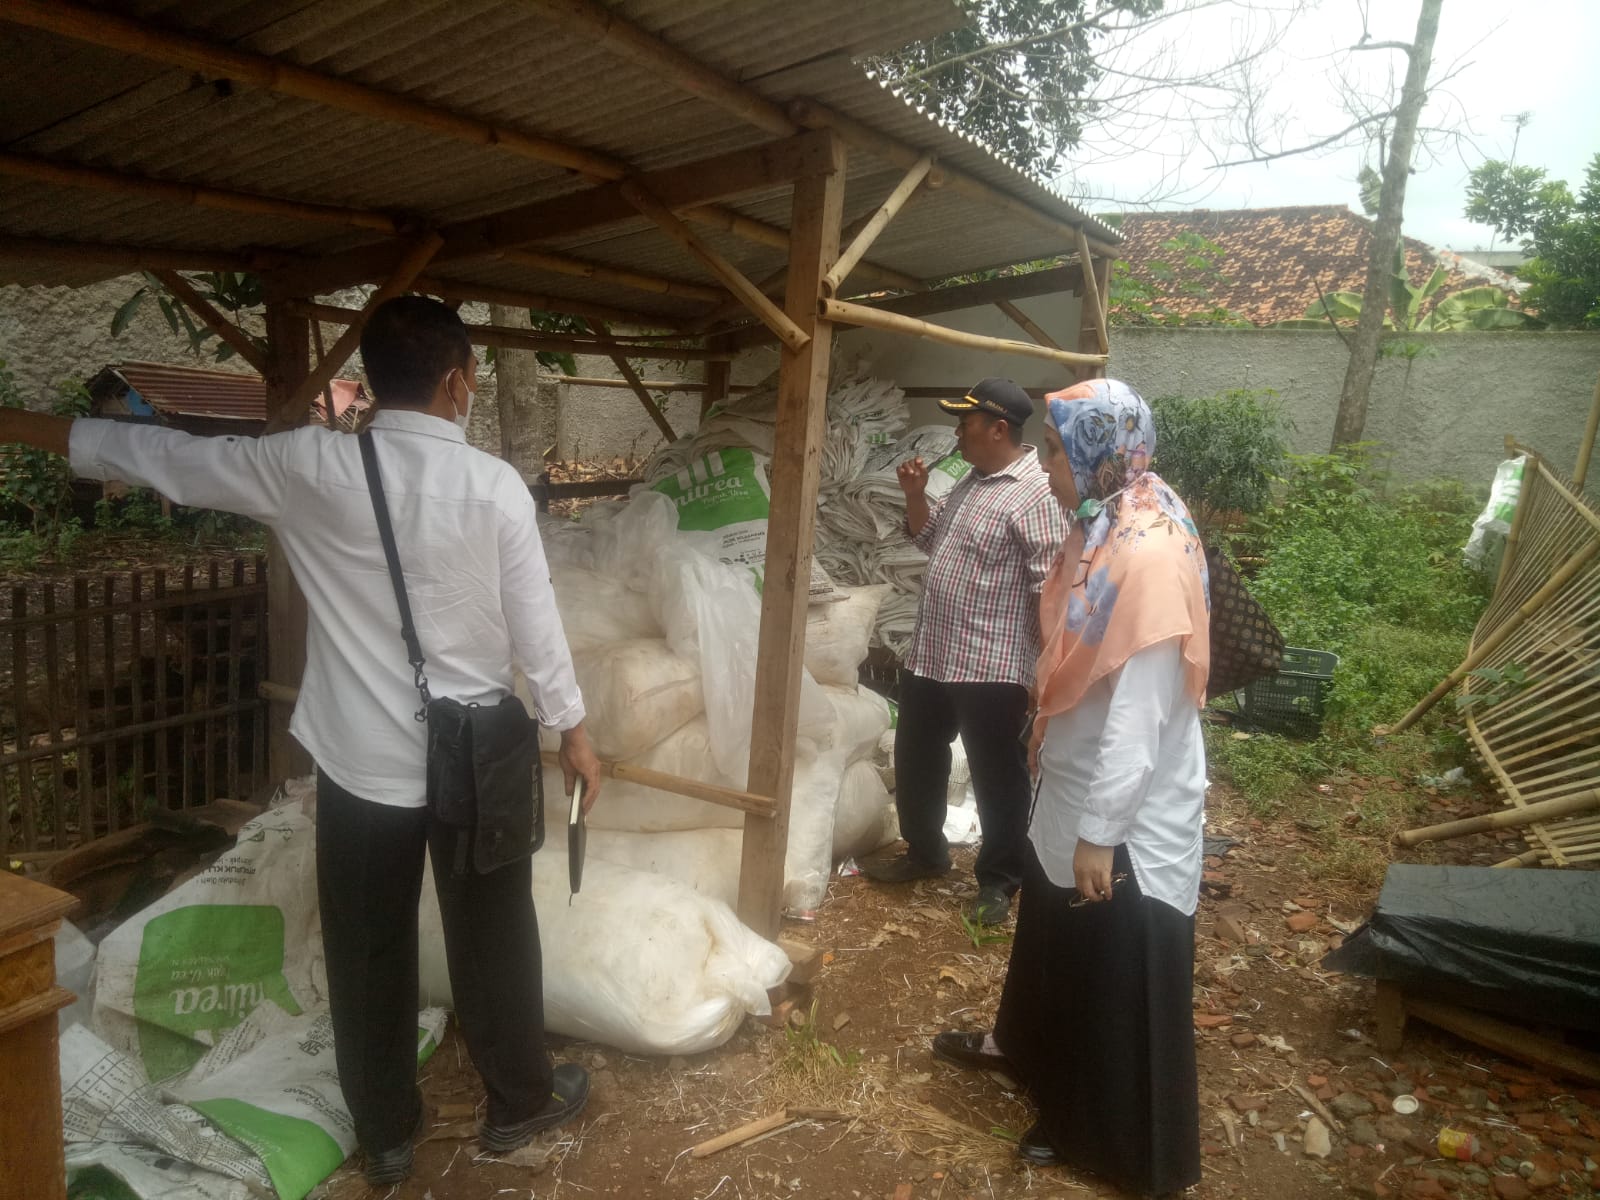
x=811 y=1068
x=980 y=935
x=1376 y=577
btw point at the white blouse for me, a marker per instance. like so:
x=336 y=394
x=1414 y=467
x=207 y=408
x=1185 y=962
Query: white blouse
x=1128 y=765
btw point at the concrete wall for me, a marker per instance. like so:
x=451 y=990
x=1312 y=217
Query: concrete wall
x=1444 y=414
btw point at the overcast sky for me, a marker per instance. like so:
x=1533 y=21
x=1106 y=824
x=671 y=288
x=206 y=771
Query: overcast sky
x=1533 y=56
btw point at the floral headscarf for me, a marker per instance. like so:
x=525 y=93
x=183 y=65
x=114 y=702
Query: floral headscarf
x=1132 y=574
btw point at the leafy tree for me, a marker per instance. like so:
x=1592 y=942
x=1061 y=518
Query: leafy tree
x=1560 y=230
x=1409 y=311
x=232 y=292
x=1189 y=268
x=1016 y=74
x=33 y=480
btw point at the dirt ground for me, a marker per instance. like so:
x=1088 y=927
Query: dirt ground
x=1271 y=1029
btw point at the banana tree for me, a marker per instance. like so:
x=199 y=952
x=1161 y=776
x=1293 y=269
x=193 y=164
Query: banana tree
x=1483 y=307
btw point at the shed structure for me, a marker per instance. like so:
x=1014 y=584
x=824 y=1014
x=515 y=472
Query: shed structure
x=702 y=172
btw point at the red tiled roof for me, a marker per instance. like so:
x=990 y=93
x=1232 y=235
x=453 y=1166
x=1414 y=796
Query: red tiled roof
x=1275 y=262
x=219 y=395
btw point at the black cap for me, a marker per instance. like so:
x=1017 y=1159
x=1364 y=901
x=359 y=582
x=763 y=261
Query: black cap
x=997 y=397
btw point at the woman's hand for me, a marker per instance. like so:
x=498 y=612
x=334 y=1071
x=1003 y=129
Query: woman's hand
x=1091 y=870
x=1035 y=740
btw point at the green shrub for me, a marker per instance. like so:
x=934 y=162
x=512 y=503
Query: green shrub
x=1221 y=452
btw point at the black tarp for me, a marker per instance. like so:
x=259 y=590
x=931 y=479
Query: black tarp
x=1519 y=942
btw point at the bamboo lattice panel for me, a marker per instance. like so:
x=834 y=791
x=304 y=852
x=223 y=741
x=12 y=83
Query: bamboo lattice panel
x=1541 y=739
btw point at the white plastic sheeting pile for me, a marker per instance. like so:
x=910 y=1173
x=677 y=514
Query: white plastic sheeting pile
x=672 y=688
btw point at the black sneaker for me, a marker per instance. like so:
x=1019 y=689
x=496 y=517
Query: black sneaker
x=904 y=869
x=569 y=1091
x=991 y=907
x=393 y=1166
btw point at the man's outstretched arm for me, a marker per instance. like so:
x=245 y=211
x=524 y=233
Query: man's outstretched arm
x=39 y=430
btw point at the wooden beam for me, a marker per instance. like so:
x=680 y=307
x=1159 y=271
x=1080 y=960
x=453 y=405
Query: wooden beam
x=931 y=301
x=660 y=285
x=802 y=415
x=125 y=257
x=845 y=313
x=523 y=339
x=1091 y=293
x=126 y=36
x=761 y=234
x=810 y=114
x=790 y=334
x=339 y=353
x=459 y=291
x=1505 y=1038
x=755 y=168
x=225 y=329
x=620 y=360
x=876 y=224
x=655 y=385
x=718 y=384
x=1027 y=324
x=286 y=368
x=60 y=174
x=603 y=28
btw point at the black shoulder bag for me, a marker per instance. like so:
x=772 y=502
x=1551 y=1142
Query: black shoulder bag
x=483 y=776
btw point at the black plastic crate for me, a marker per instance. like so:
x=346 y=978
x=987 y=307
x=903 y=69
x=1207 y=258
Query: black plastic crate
x=1291 y=701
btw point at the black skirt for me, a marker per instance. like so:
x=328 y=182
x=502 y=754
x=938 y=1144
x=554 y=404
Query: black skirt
x=1097 y=1020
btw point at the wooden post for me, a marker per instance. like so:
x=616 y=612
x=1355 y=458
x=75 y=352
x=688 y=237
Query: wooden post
x=718 y=380
x=1580 y=473
x=796 y=470
x=32 y=1154
x=288 y=365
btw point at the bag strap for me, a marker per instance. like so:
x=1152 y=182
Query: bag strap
x=380 y=510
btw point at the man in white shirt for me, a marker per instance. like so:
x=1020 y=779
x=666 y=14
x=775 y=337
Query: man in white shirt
x=481 y=598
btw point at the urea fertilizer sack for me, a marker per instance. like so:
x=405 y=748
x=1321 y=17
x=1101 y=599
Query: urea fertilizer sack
x=729 y=493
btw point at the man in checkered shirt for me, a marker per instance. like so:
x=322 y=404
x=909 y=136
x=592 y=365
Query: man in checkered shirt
x=990 y=543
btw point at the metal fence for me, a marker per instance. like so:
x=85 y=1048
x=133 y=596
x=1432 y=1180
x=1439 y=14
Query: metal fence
x=127 y=692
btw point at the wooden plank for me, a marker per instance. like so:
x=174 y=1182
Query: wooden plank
x=876 y=224
x=1027 y=324
x=213 y=320
x=210 y=768
x=136 y=713
x=163 y=788
x=80 y=672
x=817 y=210
x=235 y=663
x=24 y=727
x=108 y=683
x=789 y=333
x=186 y=640
x=1504 y=1038
x=846 y=313
x=717 y=384
x=53 y=718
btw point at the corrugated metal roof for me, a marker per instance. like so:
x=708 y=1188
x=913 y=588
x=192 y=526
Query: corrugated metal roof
x=502 y=62
x=220 y=395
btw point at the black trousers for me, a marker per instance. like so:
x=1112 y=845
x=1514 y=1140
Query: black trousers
x=989 y=718
x=369 y=880
x=1097 y=1021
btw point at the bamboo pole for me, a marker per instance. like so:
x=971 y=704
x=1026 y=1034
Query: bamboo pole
x=1506 y=818
x=771 y=315
x=278 y=693
x=61 y=174
x=846 y=313
x=132 y=258
x=1027 y=324
x=1528 y=858
x=606 y=30
x=810 y=114
x=655 y=385
x=213 y=320
x=660 y=285
x=339 y=353
x=1580 y=473
x=523 y=339
x=1530 y=606
x=1091 y=293
x=126 y=36
x=620 y=360
x=876 y=224
x=761 y=234
x=1514 y=535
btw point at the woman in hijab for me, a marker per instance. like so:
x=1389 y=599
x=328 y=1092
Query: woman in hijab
x=1096 y=1015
